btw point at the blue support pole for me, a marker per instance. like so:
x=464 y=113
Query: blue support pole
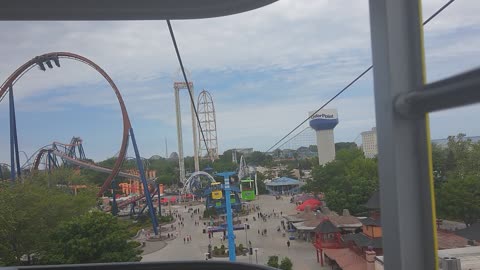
x=143 y=209
x=145 y=184
x=231 y=238
x=17 y=156
x=12 y=138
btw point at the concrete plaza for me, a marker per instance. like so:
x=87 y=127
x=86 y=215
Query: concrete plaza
x=301 y=253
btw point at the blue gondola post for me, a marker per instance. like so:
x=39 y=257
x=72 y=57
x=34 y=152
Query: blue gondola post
x=231 y=238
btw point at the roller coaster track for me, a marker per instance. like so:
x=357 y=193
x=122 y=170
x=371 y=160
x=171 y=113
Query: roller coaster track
x=127 y=133
x=67 y=155
x=194 y=184
x=54 y=56
x=66 y=158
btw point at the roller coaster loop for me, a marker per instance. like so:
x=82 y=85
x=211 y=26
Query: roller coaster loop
x=47 y=59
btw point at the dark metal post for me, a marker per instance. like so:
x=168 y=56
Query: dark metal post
x=14 y=157
x=114 y=200
x=17 y=156
x=144 y=182
x=159 y=203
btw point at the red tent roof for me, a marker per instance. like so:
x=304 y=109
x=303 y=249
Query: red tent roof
x=312 y=203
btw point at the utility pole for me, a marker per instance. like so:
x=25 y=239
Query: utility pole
x=256 y=186
x=166 y=148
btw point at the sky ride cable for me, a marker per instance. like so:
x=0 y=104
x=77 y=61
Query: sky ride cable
x=186 y=82
x=353 y=81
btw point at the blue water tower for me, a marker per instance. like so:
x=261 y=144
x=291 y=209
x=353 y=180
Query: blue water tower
x=323 y=122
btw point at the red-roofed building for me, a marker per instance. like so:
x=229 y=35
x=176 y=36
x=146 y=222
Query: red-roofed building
x=346 y=259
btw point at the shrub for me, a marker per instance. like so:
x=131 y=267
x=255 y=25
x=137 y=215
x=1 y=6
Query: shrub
x=240 y=249
x=273 y=261
x=165 y=219
x=286 y=264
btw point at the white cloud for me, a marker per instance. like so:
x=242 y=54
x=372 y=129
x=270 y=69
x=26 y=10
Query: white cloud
x=299 y=52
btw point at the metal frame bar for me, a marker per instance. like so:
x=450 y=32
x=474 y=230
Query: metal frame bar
x=145 y=184
x=459 y=90
x=403 y=159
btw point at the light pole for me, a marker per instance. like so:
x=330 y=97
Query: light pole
x=246 y=242
x=246 y=235
x=256 y=255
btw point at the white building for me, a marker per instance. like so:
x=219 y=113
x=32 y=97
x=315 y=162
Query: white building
x=369 y=143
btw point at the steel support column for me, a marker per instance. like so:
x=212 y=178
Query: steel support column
x=14 y=155
x=403 y=144
x=194 y=131
x=181 y=162
x=144 y=182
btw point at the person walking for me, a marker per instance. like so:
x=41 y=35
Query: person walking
x=184 y=240
x=288 y=243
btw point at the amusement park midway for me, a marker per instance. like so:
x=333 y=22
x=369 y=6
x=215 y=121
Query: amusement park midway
x=274 y=243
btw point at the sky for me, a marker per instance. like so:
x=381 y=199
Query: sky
x=266 y=69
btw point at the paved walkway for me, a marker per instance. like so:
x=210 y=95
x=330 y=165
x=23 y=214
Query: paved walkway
x=302 y=254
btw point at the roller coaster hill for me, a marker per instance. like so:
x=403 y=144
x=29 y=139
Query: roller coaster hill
x=58 y=154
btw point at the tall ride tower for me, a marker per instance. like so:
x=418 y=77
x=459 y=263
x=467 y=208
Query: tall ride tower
x=177 y=86
x=323 y=122
x=208 y=123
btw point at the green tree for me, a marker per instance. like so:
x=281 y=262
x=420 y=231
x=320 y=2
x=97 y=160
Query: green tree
x=273 y=261
x=286 y=264
x=459 y=199
x=4 y=172
x=441 y=157
x=262 y=188
x=31 y=212
x=345 y=145
x=94 y=237
x=347 y=182
x=260 y=159
x=456 y=170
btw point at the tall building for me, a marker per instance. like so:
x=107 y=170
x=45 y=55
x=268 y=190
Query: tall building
x=369 y=143
x=323 y=122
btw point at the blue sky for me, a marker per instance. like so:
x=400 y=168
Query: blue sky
x=265 y=69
